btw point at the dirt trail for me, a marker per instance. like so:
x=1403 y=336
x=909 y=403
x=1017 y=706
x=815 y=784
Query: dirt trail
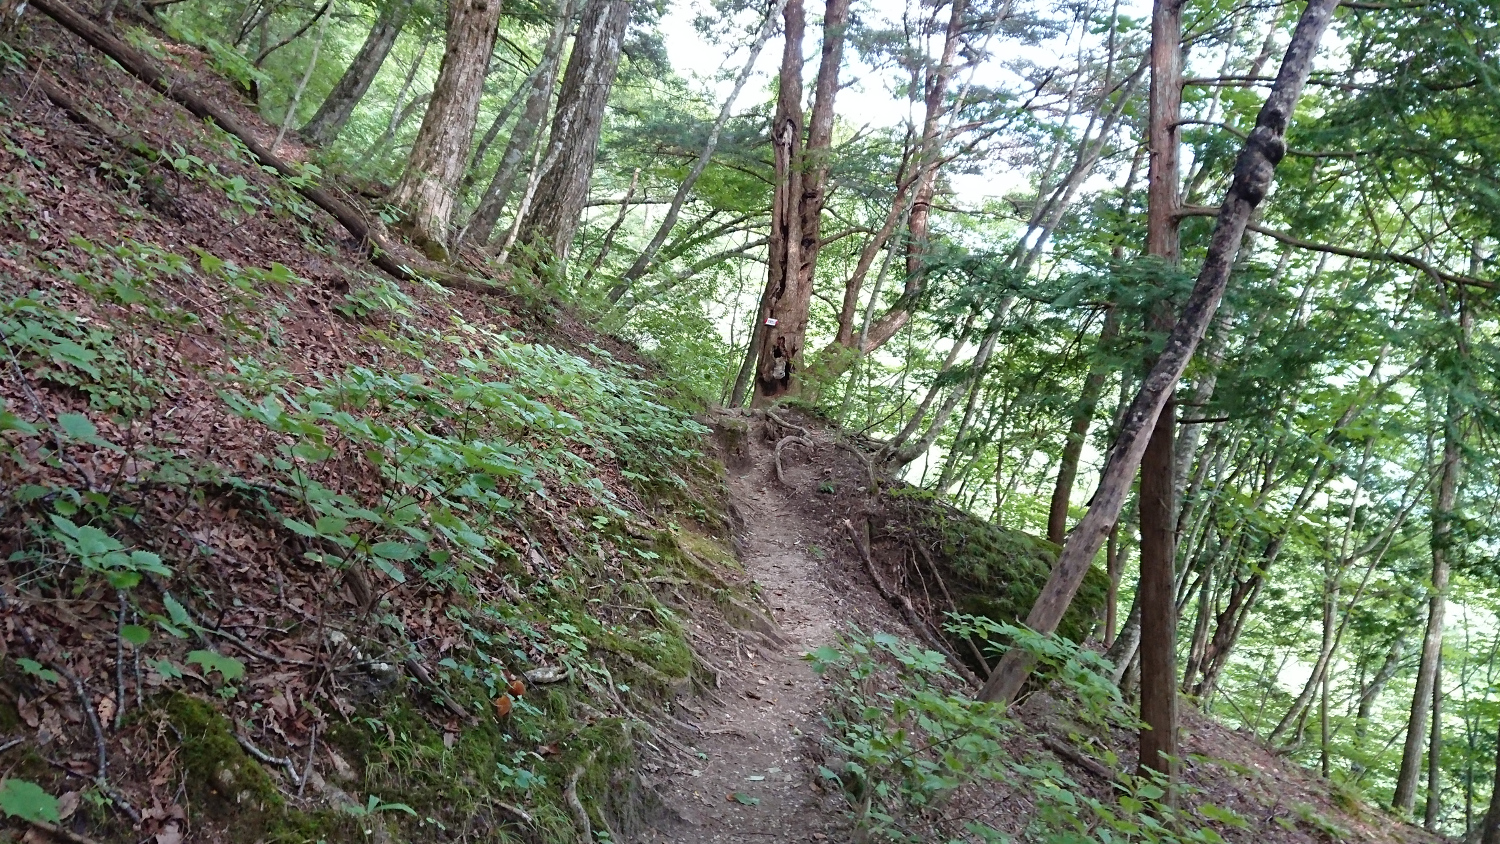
x=756 y=780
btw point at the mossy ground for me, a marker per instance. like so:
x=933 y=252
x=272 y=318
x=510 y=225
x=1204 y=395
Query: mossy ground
x=992 y=571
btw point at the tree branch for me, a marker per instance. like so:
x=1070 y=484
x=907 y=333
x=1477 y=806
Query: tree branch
x=1361 y=254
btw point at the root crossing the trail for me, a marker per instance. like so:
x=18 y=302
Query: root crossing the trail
x=756 y=778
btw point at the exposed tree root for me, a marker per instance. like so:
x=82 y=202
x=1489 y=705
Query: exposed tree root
x=918 y=625
x=783 y=443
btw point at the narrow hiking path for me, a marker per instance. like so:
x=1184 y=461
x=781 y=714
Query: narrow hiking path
x=757 y=780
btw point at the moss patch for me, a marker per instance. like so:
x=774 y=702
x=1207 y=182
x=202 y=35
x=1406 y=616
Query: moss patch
x=991 y=571
x=220 y=775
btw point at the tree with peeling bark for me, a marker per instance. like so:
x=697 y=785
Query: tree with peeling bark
x=427 y=190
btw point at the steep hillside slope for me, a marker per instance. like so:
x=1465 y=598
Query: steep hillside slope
x=296 y=552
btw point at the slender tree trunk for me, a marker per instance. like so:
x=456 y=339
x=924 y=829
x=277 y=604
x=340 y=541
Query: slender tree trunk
x=481 y=226
x=1434 y=806
x=312 y=64
x=643 y=261
x=1253 y=173
x=801 y=191
x=609 y=234
x=401 y=110
x=1078 y=430
x=429 y=187
x=338 y=106
x=1405 y=797
x=549 y=227
x=482 y=148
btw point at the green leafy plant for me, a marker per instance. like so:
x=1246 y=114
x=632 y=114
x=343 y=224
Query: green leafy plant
x=26 y=800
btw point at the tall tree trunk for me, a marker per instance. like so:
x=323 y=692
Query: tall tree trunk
x=428 y=188
x=1491 y=830
x=1434 y=806
x=643 y=261
x=1078 y=430
x=797 y=210
x=1158 y=511
x=1405 y=797
x=1253 y=173
x=481 y=226
x=549 y=226
x=339 y=105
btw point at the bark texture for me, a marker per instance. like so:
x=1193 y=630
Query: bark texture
x=481 y=226
x=337 y=107
x=548 y=227
x=1254 y=171
x=797 y=204
x=428 y=189
x=1405 y=797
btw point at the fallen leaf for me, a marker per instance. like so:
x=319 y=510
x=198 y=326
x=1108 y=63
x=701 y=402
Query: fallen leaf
x=169 y=834
x=743 y=799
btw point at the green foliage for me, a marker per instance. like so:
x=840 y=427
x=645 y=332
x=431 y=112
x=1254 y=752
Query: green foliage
x=907 y=742
x=27 y=801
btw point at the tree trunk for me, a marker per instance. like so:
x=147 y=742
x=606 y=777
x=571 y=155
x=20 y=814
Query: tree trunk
x=339 y=105
x=549 y=226
x=1078 y=430
x=609 y=234
x=643 y=260
x=1253 y=172
x=797 y=210
x=1434 y=805
x=1491 y=828
x=1405 y=797
x=1158 y=511
x=481 y=226
x=427 y=190
x=502 y=117
x=291 y=107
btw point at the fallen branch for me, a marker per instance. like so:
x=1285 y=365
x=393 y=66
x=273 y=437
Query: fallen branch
x=177 y=90
x=902 y=603
x=1072 y=754
x=783 y=443
x=59 y=832
x=278 y=761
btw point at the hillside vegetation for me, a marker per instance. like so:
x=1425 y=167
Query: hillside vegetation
x=471 y=422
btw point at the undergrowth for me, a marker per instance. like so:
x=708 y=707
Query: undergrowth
x=919 y=760
x=459 y=571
